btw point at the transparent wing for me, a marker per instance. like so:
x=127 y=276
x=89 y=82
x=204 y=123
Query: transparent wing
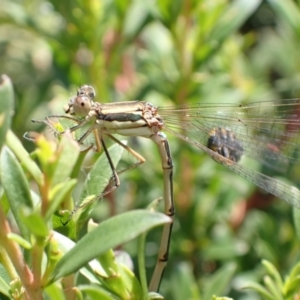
x=266 y=131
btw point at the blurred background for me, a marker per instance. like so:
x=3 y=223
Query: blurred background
x=170 y=52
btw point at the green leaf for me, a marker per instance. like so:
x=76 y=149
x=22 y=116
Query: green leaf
x=68 y=154
x=98 y=178
x=273 y=288
x=230 y=21
x=131 y=283
x=260 y=289
x=295 y=272
x=288 y=11
x=54 y=291
x=17 y=148
x=219 y=281
x=118 y=279
x=58 y=194
x=274 y=273
x=107 y=235
x=292 y=287
x=236 y=14
x=16 y=187
x=155 y=296
x=100 y=174
x=188 y=288
x=96 y=292
x=6 y=106
x=35 y=223
x=296 y=219
x=58 y=223
x=22 y=242
x=4 y=287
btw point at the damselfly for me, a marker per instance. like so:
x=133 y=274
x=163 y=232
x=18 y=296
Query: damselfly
x=268 y=131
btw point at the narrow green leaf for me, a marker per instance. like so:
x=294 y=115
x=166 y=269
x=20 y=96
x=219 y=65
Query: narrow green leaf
x=6 y=106
x=130 y=282
x=100 y=174
x=295 y=271
x=22 y=242
x=54 y=291
x=35 y=223
x=155 y=296
x=58 y=194
x=96 y=292
x=4 y=287
x=288 y=11
x=68 y=154
x=17 y=148
x=274 y=273
x=4 y=203
x=142 y=264
x=16 y=187
x=107 y=235
x=260 y=289
x=219 y=281
x=79 y=162
x=291 y=287
x=188 y=288
x=113 y=280
x=273 y=288
x=236 y=14
x=59 y=218
x=296 y=219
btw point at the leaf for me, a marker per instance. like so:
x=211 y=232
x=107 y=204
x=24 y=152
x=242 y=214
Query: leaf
x=273 y=288
x=6 y=106
x=296 y=219
x=35 y=223
x=292 y=287
x=100 y=174
x=58 y=194
x=118 y=278
x=288 y=11
x=188 y=288
x=219 y=281
x=16 y=187
x=109 y=234
x=274 y=273
x=68 y=154
x=96 y=292
x=22 y=242
x=236 y=14
x=231 y=20
x=260 y=289
x=4 y=287
x=17 y=148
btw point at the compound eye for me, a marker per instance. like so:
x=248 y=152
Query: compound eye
x=87 y=90
x=82 y=105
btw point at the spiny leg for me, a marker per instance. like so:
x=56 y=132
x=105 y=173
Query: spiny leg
x=140 y=158
x=115 y=178
x=161 y=141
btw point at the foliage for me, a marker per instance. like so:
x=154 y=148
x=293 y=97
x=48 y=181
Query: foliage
x=34 y=260
x=274 y=287
x=164 y=52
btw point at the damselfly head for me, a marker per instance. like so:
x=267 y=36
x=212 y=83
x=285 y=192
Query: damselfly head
x=81 y=104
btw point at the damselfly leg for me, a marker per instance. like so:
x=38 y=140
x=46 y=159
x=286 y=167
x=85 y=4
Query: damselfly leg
x=90 y=137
